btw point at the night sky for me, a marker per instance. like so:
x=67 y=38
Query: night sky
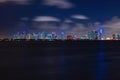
x=77 y=16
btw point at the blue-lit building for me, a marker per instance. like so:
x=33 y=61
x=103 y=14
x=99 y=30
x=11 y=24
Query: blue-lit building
x=100 y=31
x=63 y=36
x=43 y=35
x=49 y=36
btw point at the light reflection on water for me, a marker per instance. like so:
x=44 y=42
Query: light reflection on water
x=101 y=64
x=60 y=63
x=63 y=63
x=101 y=68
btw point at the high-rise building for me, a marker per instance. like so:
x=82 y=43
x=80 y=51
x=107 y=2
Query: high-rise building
x=43 y=35
x=49 y=36
x=100 y=33
x=113 y=37
x=62 y=35
x=69 y=37
x=93 y=35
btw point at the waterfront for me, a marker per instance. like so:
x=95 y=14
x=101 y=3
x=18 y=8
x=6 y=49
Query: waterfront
x=60 y=60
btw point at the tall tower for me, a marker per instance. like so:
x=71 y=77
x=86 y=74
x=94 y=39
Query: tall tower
x=62 y=35
x=101 y=30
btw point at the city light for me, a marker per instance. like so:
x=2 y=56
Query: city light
x=91 y=35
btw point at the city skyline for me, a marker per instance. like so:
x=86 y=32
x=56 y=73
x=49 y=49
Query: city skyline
x=92 y=35
x=59 y=16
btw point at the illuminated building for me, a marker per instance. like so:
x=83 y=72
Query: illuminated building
x=113 y=37
x=93 y=35
x=39 y=35
x=117 y=36
x=100 y=33
x=62 y=35
x=89 y=35
x=17 y=36
x=49 y=36
x=69 y=37
x=35 y=35
x=43 y=35
x=54 y=35
x=83 y=37
x=75 y=37
x=29 y=36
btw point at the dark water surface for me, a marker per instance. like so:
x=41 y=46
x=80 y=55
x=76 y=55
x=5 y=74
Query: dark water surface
x=78 y=60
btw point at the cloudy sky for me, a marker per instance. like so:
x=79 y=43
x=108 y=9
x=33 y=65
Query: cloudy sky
x=69 y=16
